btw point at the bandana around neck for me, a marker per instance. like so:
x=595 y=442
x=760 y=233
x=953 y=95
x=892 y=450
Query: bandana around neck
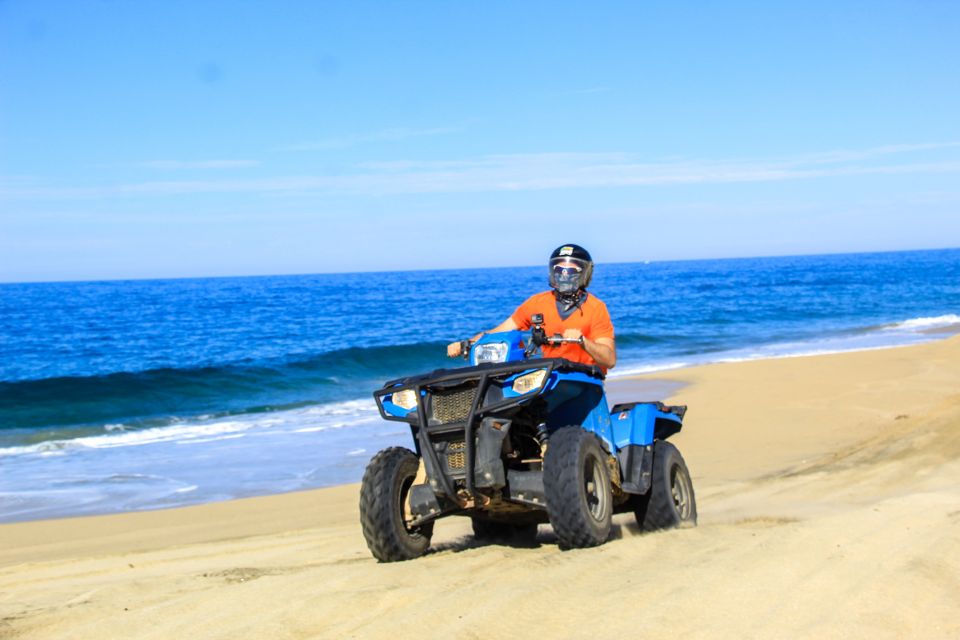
x=567 y=304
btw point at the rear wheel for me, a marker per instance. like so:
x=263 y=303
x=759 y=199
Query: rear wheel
x=383 y=494
x=670 y=501
x=577 y=484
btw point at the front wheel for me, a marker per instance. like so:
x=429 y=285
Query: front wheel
x=383 y=494
x=576 y=480
x=670 y=501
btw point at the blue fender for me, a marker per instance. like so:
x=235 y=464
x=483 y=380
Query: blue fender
x=640 y=423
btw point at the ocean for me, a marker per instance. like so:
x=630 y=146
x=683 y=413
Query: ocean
x=130 y=395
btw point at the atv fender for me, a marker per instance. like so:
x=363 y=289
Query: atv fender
x=635 y=427
x=643 y=422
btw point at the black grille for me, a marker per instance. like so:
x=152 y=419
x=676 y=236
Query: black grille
x=452 y=405
x=456 y=456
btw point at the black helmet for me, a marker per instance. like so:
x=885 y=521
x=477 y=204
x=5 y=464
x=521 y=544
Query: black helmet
x=571 y=268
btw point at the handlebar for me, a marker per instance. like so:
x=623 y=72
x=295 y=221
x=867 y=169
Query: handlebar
x=538 y=338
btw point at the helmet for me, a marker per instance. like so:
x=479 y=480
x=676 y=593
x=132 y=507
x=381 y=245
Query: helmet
x=571 y=268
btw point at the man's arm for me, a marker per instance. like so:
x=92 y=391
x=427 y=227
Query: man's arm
x=602 y=350
x=454 y=350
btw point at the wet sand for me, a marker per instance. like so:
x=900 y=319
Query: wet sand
x=828 y=489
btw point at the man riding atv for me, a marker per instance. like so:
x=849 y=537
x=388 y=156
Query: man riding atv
x=524 y=435
x=567 y=310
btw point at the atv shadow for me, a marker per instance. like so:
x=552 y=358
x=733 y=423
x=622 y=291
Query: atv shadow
x=545 y=537
x=466 y=543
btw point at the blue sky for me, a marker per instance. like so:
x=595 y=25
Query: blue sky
x=171 y=139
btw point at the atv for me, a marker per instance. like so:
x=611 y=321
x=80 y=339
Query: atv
x=516 y=440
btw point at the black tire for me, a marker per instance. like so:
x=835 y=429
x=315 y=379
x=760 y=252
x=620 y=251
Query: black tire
x=577 y=484
x=504 y=532
x=383 y=493
x=670 y=502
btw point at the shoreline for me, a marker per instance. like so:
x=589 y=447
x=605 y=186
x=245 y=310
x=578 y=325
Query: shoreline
x=664 y=383
x=659 y=384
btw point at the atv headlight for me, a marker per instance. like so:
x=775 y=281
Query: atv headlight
x=406 y=399
x=490 y=352
x=529 y=381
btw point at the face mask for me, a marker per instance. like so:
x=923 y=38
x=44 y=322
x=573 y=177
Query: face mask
x=566 y=277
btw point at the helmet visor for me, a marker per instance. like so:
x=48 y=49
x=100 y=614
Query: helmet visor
x=566 y=274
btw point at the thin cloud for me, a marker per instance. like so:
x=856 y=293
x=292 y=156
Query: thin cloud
x=178 y=165
x=544 y=171
x=586 y=91
x=386 y=135
x=850 y=155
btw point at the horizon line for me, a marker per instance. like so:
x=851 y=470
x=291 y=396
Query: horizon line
x=429 y=269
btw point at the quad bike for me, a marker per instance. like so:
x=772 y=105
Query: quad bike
x=517 y=440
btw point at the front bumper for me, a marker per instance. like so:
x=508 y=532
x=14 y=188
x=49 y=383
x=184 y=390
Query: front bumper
x=462 y=415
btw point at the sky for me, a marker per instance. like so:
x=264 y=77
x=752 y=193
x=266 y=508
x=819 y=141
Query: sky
x=171 y=138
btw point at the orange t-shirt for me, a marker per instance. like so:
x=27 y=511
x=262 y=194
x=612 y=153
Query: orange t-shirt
x=592 y=318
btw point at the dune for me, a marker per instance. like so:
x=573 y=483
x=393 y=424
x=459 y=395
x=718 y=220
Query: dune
x=828 y=489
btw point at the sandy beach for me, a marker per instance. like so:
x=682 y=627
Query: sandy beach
x=828 y=489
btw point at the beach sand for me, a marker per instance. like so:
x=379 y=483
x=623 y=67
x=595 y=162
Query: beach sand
x=828 y=490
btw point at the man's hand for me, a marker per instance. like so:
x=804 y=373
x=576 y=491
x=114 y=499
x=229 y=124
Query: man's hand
x=454 y=349
x=573 y=334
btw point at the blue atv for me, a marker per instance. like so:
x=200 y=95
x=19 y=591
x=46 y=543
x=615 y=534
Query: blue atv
x=517 y=440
